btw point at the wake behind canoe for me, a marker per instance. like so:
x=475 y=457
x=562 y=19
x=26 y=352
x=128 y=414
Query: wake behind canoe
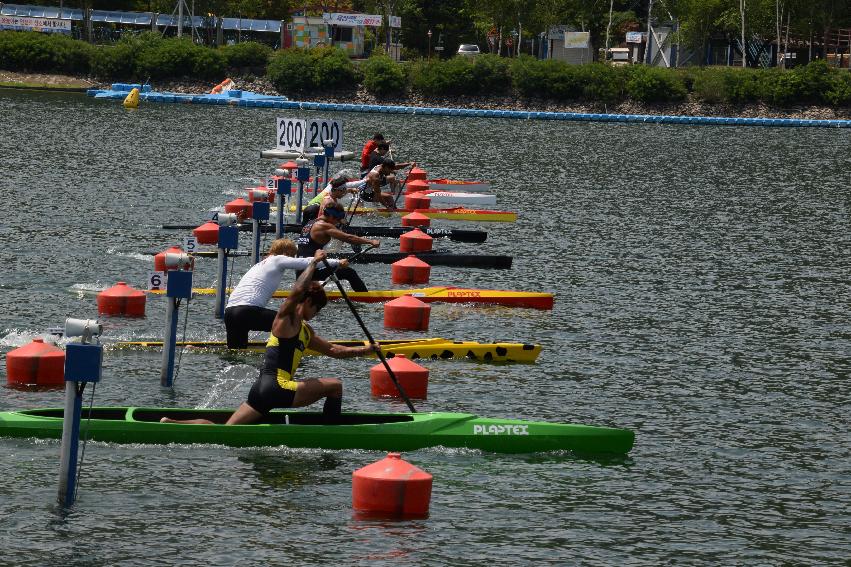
x=369 y=431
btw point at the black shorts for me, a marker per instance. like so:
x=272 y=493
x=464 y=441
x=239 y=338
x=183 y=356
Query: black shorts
x=243 y=318
x=266 y=395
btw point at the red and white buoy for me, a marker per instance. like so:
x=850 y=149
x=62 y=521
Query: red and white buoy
x=417 y=186
x=36 y=364
x=392 y=487
x=261 y=195
x=411 y=376
x=416 y=219
x=207 y=233
x=417 y=174
x=159 y=259
x=240 y=207
x=418 y=200
x=408 y=313
x=415 y=241
x=122 y=300
x=410 y=270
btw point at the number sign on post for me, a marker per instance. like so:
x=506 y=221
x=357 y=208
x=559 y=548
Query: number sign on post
x=296 y=135
x=291 y=134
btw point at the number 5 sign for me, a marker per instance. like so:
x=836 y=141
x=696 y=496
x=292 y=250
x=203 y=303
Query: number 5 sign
x=297 y=135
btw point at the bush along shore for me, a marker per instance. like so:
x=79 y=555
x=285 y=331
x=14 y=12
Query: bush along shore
x=815 y=91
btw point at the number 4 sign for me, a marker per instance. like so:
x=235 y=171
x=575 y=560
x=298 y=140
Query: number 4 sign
x=297 y=135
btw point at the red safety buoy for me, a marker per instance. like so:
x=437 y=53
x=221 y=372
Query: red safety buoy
x=417 y=200
x=410 y=270
x=392 y=487
x=207 y=233
x=417 y=186
x=290 y=165
x=416 y=219
x=406 y=312
x=417 y=174
x=36 y=364
x=411 y=376
x=159 y=259
x=415 y=241
x=260 y=195
x=122 y=300
x=240 y=207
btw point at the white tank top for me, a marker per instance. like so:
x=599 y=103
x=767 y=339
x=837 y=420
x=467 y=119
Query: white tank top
x=260 y=282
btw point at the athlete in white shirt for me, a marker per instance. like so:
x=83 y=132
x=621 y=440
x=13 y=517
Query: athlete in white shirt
x=246 y=308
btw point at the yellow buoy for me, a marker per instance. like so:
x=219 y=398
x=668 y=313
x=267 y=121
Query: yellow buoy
x=132 y=100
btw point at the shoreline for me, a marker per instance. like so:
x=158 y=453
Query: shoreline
x=359 y=95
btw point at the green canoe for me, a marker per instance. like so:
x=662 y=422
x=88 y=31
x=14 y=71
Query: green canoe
x=376 y=431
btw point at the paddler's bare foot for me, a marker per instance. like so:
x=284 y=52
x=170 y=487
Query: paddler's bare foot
x=167 y=420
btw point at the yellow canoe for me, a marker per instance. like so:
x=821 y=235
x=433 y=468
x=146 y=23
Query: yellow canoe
x=456 y=213
x=444 y=294
x=432 y=348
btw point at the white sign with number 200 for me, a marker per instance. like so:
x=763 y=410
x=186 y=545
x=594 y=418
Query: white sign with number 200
x=297 y=135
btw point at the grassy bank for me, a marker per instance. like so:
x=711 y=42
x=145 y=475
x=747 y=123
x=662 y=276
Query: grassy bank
x=325 y=71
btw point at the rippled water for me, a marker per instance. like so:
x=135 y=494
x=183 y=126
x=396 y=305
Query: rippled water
x=701 y=280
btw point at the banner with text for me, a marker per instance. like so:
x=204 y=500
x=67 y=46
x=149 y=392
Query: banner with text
x=35 y=24
x=351 y=20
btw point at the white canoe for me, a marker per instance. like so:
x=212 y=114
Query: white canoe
x=458 y=186
x=440 y=198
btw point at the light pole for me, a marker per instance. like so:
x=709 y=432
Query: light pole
x=429 y=44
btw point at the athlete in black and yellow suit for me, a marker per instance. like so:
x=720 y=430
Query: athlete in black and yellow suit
x=276 y=387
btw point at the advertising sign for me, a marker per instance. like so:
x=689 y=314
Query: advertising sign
x=352 y=20
x=577 y=40
x=634 y=37
x=35 y=24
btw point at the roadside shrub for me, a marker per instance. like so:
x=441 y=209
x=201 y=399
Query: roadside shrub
x=654 y=84
x=410 y=54
x=249 y=54
x=546 y=79
x=114 y=62
x=483 y=74
x=298 y=70
x=490 y=74
x=178 y=57
x=208 y=64
x=41 y=52
x=289 y=70
x=383 y=76
x=428 y=77
x=708 y=85
x=839 y=91
x=741 y=85
x=602 y=83
x=331 y=68
x=120 y=61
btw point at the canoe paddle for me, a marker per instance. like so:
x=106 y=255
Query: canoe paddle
x=371 y=340
x=402 y=187
x=334 y=270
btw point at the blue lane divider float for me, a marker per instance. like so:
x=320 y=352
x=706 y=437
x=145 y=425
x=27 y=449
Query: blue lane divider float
x=118 y=91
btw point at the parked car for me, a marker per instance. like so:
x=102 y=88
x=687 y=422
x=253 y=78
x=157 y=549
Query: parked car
x=468 y=49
